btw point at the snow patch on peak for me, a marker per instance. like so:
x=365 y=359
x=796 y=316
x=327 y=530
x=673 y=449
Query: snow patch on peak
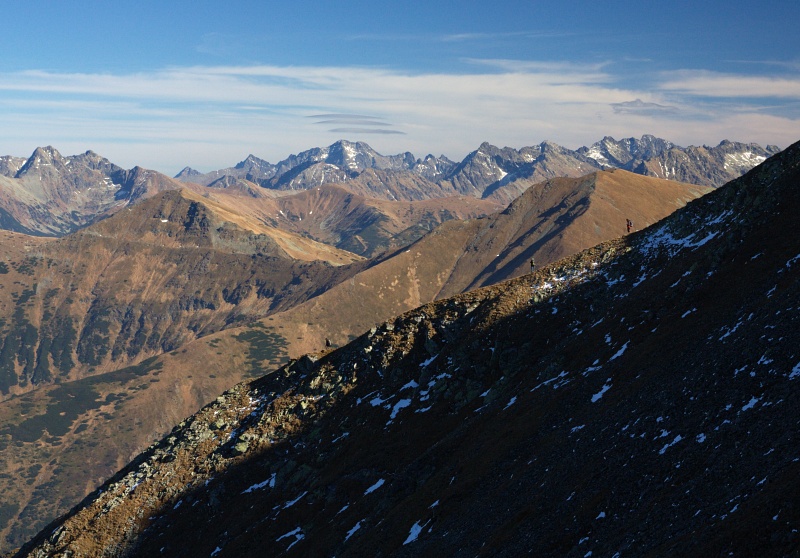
x=742 y=161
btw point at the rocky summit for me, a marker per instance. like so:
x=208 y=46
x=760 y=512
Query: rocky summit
x=638 y=398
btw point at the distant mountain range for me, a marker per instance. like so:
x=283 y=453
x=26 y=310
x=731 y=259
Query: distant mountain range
x=637 y=398
x=484 y=172
x=52 y=195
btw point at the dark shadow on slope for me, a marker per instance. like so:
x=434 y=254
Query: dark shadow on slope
x=8 y=222
x=565 y=215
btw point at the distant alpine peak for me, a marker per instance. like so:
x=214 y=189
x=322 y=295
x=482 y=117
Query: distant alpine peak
x=45 y=154
x=252 y=161
x=187 y=172
x=41 y=157
x=489 y=166
x=47 y=151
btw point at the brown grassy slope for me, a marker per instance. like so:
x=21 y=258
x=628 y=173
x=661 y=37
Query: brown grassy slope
x=553 y=219
x=559 y=217
x=339 y=216
x=60 y=441
x=232 y=210
x=145 y=281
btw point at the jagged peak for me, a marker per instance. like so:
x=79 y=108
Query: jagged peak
x=252 y=161
x=47 y=155
x=548 y=145
x=48 y=151
x=188 y=171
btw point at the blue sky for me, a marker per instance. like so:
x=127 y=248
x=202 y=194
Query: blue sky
x=169 y=84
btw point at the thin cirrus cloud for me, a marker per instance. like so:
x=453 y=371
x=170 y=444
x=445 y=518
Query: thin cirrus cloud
x=714 y=84
x=457 y=37
x=560 y=72
x=375 y=131
x=460 y=37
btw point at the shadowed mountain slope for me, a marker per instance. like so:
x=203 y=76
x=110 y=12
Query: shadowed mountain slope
x=368 y=226
x=559 y=217
x=636 y=398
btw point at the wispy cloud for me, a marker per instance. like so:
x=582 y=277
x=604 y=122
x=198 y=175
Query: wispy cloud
x=713 y=84
x=637 y=106
x=793 y=65
x=342 y=117
x=573 y=71
x=213 y=115
x=460 y=37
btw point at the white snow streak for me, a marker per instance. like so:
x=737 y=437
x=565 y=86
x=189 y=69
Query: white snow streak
x=269 y=482
x=620 y=352
x=750 y=404
x=403 y=403
x=374 y=487
x=677 y=439
x=416 y=529
x=597 y=396
x=352 y=531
